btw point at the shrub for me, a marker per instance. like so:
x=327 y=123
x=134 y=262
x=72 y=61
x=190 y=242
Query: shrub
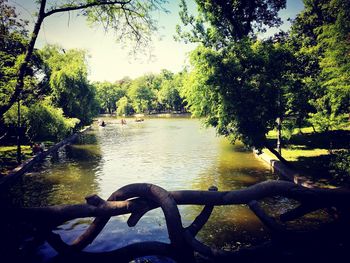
x=46 y=122
x=340 y=163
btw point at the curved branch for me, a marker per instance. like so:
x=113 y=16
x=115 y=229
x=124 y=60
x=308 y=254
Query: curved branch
x=202 y=218
x=149 y=196
x=92 y=4
x=148 y=191
x=124 y=254
x=59 y=214
x=268 y=221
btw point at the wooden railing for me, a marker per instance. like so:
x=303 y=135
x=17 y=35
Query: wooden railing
x=138 y=199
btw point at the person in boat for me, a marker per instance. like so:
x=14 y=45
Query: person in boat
x=123 y=121
x=101 y=123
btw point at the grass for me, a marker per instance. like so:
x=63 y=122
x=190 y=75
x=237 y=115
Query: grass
x=294 y=153
x=312 y=153
x=8 y=156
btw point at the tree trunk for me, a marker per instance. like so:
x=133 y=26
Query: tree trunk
x=279 y=135
x=278 y=155
x=19 y=130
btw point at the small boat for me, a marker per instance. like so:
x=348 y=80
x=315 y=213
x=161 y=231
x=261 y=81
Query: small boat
x=139 y=120
x=101 y=123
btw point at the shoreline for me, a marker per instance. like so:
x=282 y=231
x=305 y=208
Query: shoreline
x=282 y=170
x=21 y=169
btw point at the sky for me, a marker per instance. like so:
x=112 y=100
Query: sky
x=108 y=60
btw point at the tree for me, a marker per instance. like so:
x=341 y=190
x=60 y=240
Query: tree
x=220 y=22
x=42 y=121
x=124 y=107
x=238 y=91
x=70 y=89
x=108 y=94
x=322 y=33
x=237 y=83
x=130 y=19
x=169 y=96
x=141 y=94
x=13 y=41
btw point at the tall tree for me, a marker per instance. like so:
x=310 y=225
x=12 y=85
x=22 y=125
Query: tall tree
x=321 y=32
x=237 y=82
x=70 y=89
x=13 y=42
x=130 y=19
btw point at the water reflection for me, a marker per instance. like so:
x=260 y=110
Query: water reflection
x=172 y=153
x=64 y=178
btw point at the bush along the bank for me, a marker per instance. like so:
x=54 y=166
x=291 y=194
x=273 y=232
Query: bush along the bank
x=340 y=165
x=42 y=121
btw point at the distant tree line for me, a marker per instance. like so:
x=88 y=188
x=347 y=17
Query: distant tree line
x=149 y=94
x=238 y=82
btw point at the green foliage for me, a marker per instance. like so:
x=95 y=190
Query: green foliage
x=10 y=117
x=70 y=89
x=323 y=121
x=240 y=89
x=150 y=93
x=321 y=32
x=141 y=94
x=13 y=38
x=13 y=42
x=169 y=95
x=341 y=165
x=124 y=107
x=239 y=84
x=48 y=122
x=221 y=22
x=107 y=95
x=42 y=121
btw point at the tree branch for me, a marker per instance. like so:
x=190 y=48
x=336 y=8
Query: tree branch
x=146 y=197
x=79 y=7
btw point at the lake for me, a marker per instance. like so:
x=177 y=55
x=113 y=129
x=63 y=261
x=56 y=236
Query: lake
x=174 y=153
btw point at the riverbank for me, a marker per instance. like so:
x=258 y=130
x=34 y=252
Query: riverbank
x=282 y=170
x=320 y=159
x=30 y=161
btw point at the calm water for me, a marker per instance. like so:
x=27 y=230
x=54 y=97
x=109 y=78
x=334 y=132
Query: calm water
x=173 y=153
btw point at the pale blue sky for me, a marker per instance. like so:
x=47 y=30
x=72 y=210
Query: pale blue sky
x=108 y=60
